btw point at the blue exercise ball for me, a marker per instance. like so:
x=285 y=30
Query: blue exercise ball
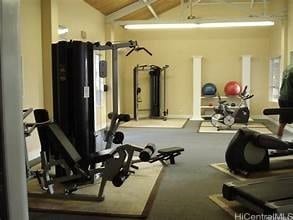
x=209 y=89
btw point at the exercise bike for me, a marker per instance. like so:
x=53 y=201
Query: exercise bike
x=225 y=116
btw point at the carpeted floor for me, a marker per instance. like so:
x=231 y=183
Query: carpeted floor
x=185 y=188
x=207 y=127
x=134 y=200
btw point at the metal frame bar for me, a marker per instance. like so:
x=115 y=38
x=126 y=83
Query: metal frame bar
x=216 y=2
x=233 y=4
x=135 y=87
x=115 y=76
x=212 y=20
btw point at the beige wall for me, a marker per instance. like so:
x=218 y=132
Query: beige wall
x=36 y=34
x=78 y=16
x=31 y=54
x=49 y=34
x=278 y=36
x=221 y=50
x=276 y=41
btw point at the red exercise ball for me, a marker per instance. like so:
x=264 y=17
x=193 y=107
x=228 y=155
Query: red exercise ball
x=232 y=88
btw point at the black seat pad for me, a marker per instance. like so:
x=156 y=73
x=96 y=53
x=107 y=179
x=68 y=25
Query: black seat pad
x=102 y=155
x=170 y=150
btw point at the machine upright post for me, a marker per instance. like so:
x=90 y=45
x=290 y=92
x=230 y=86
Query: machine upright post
x=135 y=87
x=164 y=72
x=115 y=79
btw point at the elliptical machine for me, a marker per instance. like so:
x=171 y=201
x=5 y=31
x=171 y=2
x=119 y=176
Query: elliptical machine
x=225 y=116
x=249 y=151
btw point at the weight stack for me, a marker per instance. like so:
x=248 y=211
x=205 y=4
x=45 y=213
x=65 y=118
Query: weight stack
x=73 y=98
x=155 y=89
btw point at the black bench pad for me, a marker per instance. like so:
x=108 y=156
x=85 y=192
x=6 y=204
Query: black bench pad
x=120 y=117
x=170 y=150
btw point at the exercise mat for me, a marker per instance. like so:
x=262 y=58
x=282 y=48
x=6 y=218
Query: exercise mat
x=207 y=127
x=133 y=199
x=155 y=123
x=231 y=207
x=278 y=166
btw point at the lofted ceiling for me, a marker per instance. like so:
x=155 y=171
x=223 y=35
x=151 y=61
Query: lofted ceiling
x=159 y=6
x=109 y=6
x=146 y=9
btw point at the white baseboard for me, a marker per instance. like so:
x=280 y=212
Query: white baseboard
x=168 y=116
x=196 y=119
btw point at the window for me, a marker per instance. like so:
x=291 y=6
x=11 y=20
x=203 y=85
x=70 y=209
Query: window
x=275 y=79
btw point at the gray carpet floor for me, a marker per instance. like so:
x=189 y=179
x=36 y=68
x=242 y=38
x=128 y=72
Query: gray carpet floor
x=184 y=189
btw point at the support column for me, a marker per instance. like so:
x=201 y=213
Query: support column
x=49 y=10
x=13 y=186
x=197 y=72
x=108 y=57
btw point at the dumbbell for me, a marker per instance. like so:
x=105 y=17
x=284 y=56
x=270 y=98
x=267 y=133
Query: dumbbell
x=118 y=138
x=120 y=178
x=147 y=152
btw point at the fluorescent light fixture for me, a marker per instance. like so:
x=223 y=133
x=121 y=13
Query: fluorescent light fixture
x=160 y=26
x=237 y=24
x=199 y=25
x=62 y=30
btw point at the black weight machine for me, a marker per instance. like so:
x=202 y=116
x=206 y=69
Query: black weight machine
x=155 y=91
x=112 y=164
x=74 y=90
x=73 y=136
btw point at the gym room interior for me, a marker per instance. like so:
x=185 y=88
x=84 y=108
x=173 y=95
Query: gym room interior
x=145 y=109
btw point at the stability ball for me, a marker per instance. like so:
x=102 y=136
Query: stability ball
x=209 y=89
x=232 y=88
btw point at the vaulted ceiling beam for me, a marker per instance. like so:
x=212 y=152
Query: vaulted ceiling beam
x=151 y=9
x=127 y=10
